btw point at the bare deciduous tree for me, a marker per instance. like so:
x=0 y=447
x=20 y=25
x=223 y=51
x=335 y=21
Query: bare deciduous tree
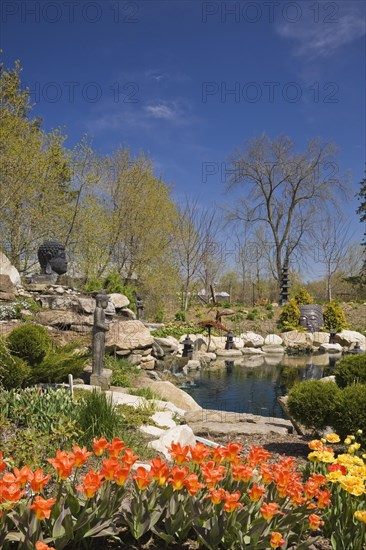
x=195 y=232
x=284 y=189
x=330 y=238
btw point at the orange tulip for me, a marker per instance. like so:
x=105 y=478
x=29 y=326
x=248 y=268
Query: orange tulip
x=63 y=463
x=276 y=540
x=121 y=474
x=258 y=455
x=231 y=452
x=256 y=492
x=311 y=488
x=9 y=493
x=266 y=474
x=42 y=507
x=315 y=522
x=81 y=455
x=99 y=445
x=129 y=458
x=242 y=472
x=199 y=453
x=159 y=470
x=324 y=498
x=109 y=467
x=216 y=495
x=268 y=510
x=218 y=454
x=192 y=484
x=114 y=449
x=42 y=546
x=38 y=481
x=316 y=445
x=231 y=502
x=23 y=476
x=179 y=453
x=178 y=476
x=92 y=481
x=211 y=474
x=142 y=477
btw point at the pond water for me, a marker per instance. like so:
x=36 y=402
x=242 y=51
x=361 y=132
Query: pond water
x=253 y=384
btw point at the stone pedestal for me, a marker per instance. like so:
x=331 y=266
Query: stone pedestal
x=103 y=380
x=43 y=279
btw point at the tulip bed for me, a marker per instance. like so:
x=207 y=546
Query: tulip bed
x=217 y=497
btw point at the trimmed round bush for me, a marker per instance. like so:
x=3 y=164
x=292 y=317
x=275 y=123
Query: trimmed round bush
x=13 y=370
x=302 y=297
x=351 y=370
x=290 y=316
x=30 y=342
x=312 y=403
x=334 y=317
x=350 y=411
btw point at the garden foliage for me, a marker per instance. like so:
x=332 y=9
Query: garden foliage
x=30 y=342
x=302 y=297
x=222 y=499
x=290 y=316
x=13 y=370
x=351 y=369
x=312 y=403
x=334 y=317
x=350 y=410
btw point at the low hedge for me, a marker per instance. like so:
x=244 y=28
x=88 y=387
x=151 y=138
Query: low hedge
x=312 y=403
x=351 y=370
x=350 y=411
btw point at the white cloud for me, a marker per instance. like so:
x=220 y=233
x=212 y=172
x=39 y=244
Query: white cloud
x=323 y=38
x=163 y=111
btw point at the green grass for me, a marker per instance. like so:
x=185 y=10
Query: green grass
x=148 y=393
x=123 y=373
x=136 y=417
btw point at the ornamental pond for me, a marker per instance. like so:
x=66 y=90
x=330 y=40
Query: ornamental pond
x=253 y=384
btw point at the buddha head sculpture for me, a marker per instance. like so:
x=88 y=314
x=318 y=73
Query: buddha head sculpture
x=102 y=299
x=52 y=257
x=311 y=317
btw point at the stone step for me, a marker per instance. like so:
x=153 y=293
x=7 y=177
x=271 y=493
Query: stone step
x=216 y=423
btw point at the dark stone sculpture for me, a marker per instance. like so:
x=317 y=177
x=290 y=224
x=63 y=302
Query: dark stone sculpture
x=100 y=327
x=311 y=317
x=139 y=307
x=52 y=257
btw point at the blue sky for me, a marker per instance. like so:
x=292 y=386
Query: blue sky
x=155 y=75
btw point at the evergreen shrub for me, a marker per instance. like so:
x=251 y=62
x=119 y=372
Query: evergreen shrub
x=351 y=370
x=312 y=403
x=30 y=343
x=334 y=317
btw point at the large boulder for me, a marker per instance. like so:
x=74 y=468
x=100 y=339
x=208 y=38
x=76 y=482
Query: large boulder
x=320 y=338
x=6 y=268
x=294 y=338
x=128 y=335
x=175 y=395
x=349 y=337
x=217 y=342
x=222 y=423
x=180 y=434
x=252 y=340
x=8 y=290
x=273 y=339
x=127 y=314
x=62 y=318
x=331 y=348
x=168 y=344
x=119 y=300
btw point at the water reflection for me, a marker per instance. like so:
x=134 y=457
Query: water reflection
x=252 y=384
